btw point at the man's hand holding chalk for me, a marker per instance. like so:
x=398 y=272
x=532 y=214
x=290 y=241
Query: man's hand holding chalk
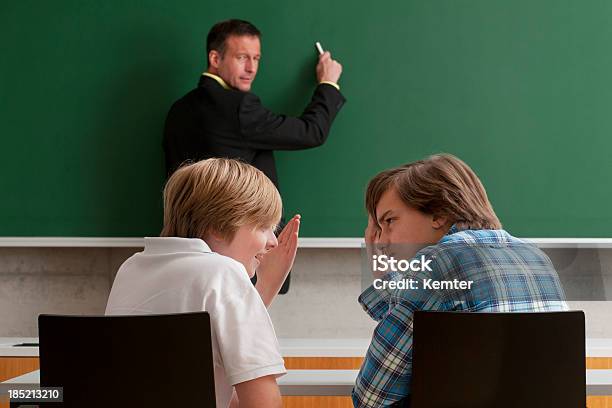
x=328 y=70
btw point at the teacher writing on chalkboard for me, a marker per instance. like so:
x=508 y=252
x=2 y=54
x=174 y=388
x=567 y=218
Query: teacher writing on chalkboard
x=222 y=118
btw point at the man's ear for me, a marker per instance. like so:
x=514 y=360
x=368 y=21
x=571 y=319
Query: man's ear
x=214 y=58
x=439 y=221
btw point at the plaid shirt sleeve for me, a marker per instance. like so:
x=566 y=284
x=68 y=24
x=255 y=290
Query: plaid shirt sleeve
x=375 y=302
x=385 y=375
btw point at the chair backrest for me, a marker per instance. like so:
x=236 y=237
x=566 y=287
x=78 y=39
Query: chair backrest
x=128 y=361
x=498 y=360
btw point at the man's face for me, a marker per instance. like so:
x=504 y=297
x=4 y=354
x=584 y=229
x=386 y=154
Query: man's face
x=238 y=65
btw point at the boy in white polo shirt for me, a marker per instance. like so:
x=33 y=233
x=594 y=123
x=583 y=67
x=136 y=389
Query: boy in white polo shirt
x=219 y=221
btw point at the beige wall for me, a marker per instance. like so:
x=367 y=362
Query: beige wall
x=322 y=301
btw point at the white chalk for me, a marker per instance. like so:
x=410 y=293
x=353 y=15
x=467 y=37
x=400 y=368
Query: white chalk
x=318 y=45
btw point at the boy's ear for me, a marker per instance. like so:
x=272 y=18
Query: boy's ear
x=439 y=221
x=213 y=236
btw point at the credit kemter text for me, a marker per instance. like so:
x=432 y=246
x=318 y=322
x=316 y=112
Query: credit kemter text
x=426 y=284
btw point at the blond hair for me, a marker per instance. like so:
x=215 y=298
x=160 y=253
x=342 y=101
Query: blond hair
x=218 y=196
x=440 y=185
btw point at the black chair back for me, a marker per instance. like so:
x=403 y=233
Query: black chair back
x=128 y=361
x=484 y=360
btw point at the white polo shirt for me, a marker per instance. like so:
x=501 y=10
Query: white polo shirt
x=175 y=275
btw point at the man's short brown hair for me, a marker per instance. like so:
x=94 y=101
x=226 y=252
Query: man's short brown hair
x=218 y=196
x=440 y=185
x=221 y=31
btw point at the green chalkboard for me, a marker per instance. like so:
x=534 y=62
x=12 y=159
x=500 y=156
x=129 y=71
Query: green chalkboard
x=521 y=90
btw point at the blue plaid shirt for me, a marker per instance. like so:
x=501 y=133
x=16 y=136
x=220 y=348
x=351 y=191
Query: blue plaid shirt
x=508 y=275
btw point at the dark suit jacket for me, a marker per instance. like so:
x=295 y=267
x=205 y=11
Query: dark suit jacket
x=212 y=121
